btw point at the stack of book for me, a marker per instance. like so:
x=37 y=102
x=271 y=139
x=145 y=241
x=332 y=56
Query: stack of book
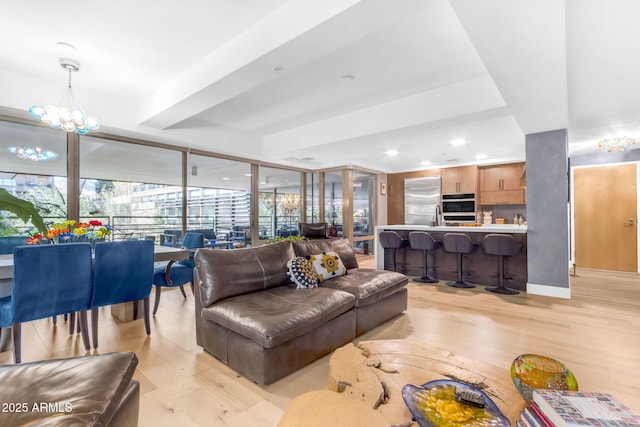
x=562 y=408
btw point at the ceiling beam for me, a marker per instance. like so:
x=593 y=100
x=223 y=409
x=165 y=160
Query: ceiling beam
x=523 y=45
x=293 y=35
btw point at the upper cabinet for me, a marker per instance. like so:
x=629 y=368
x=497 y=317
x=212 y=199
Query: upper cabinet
x=502 y=185
x=459 y=180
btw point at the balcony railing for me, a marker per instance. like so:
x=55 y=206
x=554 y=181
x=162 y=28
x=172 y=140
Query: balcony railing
x=153 y=227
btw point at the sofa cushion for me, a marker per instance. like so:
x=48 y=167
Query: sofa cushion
x=368 y=285
x=301 y=272
x=82 y=391
x=224 y=274
x=342 y=246
x=277 y=315
x=327 y=265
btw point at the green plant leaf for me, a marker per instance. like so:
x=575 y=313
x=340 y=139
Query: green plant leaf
x=22 y=209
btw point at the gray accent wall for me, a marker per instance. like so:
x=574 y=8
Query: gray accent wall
x=547 y=209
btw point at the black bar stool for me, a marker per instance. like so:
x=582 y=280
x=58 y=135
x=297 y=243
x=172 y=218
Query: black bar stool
x=392 y=240
x=423 y=241
x=458 y=243
x=501 y=245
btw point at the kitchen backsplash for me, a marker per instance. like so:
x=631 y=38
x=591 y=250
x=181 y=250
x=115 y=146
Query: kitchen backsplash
x=508 y=212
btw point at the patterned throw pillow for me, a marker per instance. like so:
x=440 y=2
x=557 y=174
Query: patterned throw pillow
x=301 y=273
x=327 y=265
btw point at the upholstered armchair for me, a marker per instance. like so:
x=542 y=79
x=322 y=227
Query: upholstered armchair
x=313 y=230
x=171 y=238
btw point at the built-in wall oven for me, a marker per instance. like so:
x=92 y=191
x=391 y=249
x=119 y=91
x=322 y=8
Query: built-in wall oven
x=458 y=208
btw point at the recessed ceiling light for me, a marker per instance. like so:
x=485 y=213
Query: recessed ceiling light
x=458 y=142
x=391 y=152
x=247 y=174
x=425 y=163
x=225 y=178
x=278 y=69
x=481 y=156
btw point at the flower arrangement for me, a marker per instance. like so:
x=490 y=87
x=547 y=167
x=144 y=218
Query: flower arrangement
x=72 y=231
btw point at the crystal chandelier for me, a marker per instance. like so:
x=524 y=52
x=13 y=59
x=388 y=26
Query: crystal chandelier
x=617 y=144
x=66 y=116
x=289 y=203
x=35 y=154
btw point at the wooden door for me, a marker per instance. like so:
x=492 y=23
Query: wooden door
x=605 y=211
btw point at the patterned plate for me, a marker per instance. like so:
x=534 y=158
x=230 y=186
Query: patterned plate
x=433 y=405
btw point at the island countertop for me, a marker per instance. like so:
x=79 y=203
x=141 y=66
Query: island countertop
x=479 y=267
x=485 y=228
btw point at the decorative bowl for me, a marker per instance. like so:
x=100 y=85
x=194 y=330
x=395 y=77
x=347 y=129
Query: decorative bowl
x=434 y=405
x=530 y=371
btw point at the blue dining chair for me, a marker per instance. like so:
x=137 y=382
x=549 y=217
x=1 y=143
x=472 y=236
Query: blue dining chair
x=170 y=274
x=47 y=280
x=192 y=241
x=122 y=272
x=8 y=243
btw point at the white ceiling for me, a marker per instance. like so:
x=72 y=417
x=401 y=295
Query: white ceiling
x=263 y=79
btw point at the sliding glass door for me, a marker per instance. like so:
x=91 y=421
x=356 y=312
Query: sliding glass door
x=136 y=189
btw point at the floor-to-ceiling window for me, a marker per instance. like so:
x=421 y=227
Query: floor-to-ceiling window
x=219 y=196
x=333 y=201
x=363 y=209
x=280 y=202
x=312 y=197
x=146 y=190
x=135 y=188
x=33 y=167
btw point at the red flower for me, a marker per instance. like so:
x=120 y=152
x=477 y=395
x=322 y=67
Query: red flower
x=95 y=223
x=35 y=239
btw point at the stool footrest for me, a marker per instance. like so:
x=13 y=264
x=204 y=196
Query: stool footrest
x=425 y=279
x=461 y=284
x=502 y=290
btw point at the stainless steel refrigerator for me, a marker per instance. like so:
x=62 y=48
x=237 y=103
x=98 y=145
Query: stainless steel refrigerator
x=422 y=200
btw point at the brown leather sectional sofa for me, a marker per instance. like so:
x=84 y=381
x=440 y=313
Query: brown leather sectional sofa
x=250 y=316
x=79 y=391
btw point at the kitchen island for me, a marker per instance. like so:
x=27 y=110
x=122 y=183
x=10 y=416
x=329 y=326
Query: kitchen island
x=482 y=269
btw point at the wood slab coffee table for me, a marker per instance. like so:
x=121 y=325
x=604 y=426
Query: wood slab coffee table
x=366 y=380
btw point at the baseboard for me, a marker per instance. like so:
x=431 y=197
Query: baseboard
x=548 y=291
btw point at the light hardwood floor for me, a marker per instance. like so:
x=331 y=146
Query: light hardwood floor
x=596 y=333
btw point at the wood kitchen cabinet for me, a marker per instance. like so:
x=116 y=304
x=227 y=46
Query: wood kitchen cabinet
x=501 y=185
x=459 y=180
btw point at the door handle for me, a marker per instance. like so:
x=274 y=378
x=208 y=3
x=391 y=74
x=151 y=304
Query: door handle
x=629 y=223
